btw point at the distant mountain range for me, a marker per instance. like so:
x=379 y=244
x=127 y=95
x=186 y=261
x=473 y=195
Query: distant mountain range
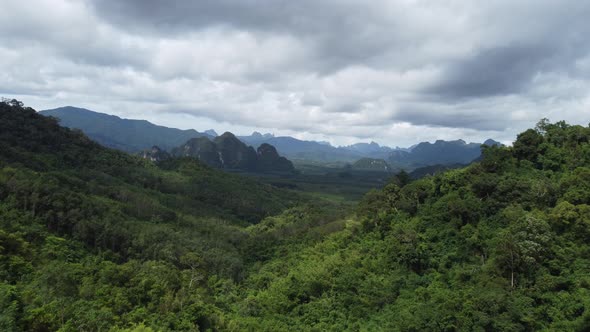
x=321 y=151
x=419 y=155
x=122 y=134
x=140 y=135
x=294 y=148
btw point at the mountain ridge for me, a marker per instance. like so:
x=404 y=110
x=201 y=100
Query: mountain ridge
x=140 y=135
x=128 y=135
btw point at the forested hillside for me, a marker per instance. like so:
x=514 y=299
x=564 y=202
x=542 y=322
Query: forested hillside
x=92 y=239
x=501 y=245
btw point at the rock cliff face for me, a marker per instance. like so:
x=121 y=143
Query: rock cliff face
x=269 y=159
x=200 y=148
x=227 y=151
x=234 y=154
x=155 y=154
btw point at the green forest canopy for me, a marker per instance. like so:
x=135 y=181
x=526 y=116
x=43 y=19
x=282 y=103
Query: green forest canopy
x=93 y=239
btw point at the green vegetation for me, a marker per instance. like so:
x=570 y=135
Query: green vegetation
x=92 y=239
x=371 y=164
x=337 y=183
x=501 y=245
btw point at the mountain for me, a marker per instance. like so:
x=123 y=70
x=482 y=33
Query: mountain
x=122 y=134
x=491 y=142
x=269 y=160
x=257 y=135
x=234 y=154
x=211 y=133
x=371 y=150
x=438 y=153
x=227 y=151
x=200 y=148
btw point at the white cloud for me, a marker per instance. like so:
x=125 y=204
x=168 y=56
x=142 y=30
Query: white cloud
x=397 y=72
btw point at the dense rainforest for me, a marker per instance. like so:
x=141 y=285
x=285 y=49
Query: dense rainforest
x=92 y=239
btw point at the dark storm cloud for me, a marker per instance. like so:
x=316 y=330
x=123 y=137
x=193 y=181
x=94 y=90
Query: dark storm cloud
x=339 y=33
x=455 y=116
x=491 y=72
x=504 y=70
x=528 y=39
x=305 y=16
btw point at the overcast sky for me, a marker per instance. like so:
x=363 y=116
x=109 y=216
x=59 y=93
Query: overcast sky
x=397 y=72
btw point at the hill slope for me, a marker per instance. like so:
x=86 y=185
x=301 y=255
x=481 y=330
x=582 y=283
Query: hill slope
x=498 y=246
x=94 y=239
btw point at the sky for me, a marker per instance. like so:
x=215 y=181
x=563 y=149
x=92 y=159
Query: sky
x=394 y=72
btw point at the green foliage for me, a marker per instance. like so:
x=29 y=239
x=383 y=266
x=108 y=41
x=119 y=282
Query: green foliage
x=93 y=238
x=500 y=245
x=96 y=240
x=527 y=145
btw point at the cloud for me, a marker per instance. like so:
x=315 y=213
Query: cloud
x=397 y=72
x=492 y=72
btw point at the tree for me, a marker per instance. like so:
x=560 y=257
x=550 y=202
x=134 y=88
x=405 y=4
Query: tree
x=527 y=145
x=522 y=247
x=403 y=178
x=12 y=102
